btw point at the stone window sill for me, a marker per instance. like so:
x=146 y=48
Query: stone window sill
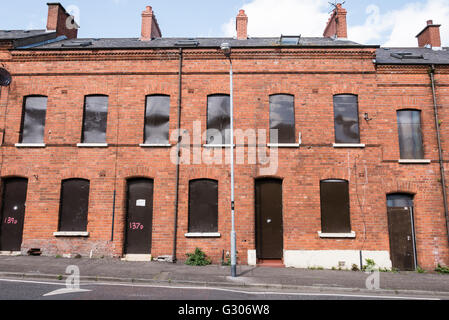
x=283 y=145
x=92 y=145
x=30 y=145
x=203 y=235
x=155 y=145
x=217 y=145
x=415 y=161
x=349 y=145
x=337 y=235
x=71 y=234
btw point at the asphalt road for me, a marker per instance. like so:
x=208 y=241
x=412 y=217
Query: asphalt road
x=11 y=289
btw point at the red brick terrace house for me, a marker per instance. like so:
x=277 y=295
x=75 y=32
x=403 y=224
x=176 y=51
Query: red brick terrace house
x=89 y=135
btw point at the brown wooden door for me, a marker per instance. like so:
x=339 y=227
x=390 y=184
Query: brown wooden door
x=139 y=222
x=13 y=213
x=402 y=246
x=269 y=225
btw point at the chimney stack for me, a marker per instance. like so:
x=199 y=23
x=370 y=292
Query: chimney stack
x=337 y=26
x=242 y=25
x=150 y=27
x=60 y=21
x=430 y=36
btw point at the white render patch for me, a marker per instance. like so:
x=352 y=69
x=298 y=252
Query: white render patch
x=137 y=258
x=252 y=258
x=329 y=259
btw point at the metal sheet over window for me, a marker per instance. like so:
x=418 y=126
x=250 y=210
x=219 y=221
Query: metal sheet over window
x=74 y=205
x=218 y=119
x=335 y=214
x=157 y=119
x=410 y=134
x=203 y=206
x=95 y=119
x=33 y=122
x=282 y=117
x=346 y=116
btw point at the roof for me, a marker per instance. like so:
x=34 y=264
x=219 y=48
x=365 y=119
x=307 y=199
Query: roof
x=416 y=56
x=135 y=43
x=20 y=34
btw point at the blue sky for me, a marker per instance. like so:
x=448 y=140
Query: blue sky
x=370 y=21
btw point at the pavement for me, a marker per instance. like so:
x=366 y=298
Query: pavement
x=254 y=278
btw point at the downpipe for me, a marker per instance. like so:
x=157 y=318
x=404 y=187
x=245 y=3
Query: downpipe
x=440 y=151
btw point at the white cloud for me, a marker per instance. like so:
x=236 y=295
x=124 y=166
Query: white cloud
x=399 y=27
x=309 y=17
x=289 y=17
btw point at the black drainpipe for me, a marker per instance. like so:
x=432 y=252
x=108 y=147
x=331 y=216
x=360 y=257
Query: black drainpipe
x=178 y=147
x=440 y=151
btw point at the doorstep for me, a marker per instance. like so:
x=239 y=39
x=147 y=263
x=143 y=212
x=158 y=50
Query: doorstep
x=270 y=263
x=10 y=253
x=137 y=257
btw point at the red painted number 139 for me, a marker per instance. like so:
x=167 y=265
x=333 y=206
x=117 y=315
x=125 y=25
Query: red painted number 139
x=10 y=220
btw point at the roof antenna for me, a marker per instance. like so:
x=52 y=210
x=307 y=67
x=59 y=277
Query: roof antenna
x=334 y=5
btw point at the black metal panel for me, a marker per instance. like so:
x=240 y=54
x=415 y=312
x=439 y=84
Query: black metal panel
x=157 y=119
x=282 y=117
x=269 y=220
x=95 y=119
x=33 y=120
x=218 y=118
x=203 y=206
x=139 y=221
x=74 y=205
x=5 y=78
x=346 y=116
x=410 y=134
x=401 y=238
x=13 y=213
x=335 y=212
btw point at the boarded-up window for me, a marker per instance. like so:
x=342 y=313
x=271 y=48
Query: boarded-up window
x=282 y=118
x=74 y=205
x=346 y=116
x=410 y=134
x=95 y=119
x=33 y=120
x=335 y=215
x=203 y=206
x=157 y=119
x=218 y=119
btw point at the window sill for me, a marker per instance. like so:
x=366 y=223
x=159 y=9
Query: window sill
x=283 y=145
x=92 y=145
x=415 y=161
x=71 y=234
x=217 y=145
x=30 y=145
x=203 y=235
x=337 y=235
x=155 y=145
x=349 y=145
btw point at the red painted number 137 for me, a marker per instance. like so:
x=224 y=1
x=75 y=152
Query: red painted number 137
x=135 y=226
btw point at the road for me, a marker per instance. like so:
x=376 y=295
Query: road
x=11 y=289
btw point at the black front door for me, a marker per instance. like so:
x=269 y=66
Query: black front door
x=13 y=213
x=269 y=224
x=139 y=222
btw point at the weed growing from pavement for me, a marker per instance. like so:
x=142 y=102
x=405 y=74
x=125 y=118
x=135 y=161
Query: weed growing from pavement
x=442 y=269
x=198 y=258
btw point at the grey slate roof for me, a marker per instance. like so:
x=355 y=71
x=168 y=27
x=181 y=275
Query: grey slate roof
x=135 y=43
x=20 y=34
x=416 y=56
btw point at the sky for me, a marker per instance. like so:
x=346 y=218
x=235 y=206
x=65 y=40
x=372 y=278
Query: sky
x=384 y=22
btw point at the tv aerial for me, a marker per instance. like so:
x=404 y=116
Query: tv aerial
x=5 y=77
x=334 y=5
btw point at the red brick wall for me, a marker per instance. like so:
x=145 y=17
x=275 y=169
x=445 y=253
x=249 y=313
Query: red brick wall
x=312 y=76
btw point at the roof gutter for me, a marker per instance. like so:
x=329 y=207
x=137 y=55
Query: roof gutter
x=440 y=151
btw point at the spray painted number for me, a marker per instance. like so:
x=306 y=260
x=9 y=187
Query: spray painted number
x=10 y=220
x=135 y=226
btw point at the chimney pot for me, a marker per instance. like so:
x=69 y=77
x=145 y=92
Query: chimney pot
x=337 y=26
x=242 y=25
x=430 y=36
x=429 y=22
x=150 y=27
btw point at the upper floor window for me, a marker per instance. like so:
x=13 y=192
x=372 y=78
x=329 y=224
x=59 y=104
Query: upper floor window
x=74 y=205
x=95 y=119
x=410 y=134
x=157 y=119
x=218 y=119
x=346 y=116
x=203 y=206
x=33 y=119
x=282 y=118
x=335 y=213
